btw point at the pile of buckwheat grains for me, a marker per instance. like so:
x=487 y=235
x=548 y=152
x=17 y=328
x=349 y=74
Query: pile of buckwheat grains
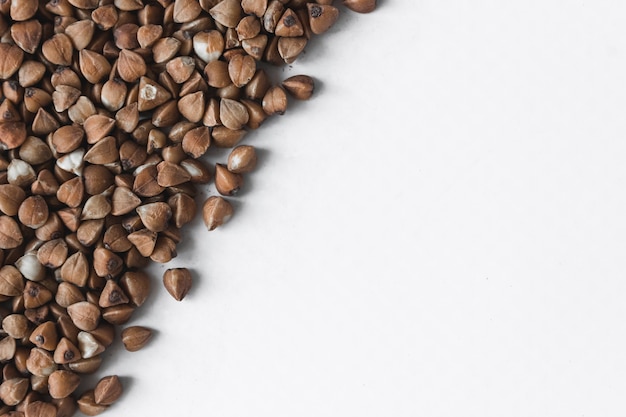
x=107 y=110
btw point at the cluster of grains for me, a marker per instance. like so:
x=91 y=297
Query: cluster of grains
x=107 y=109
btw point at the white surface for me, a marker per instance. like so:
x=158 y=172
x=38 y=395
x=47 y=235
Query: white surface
x=439 y=232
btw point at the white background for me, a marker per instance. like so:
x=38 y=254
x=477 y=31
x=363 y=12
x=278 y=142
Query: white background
x=438 y=232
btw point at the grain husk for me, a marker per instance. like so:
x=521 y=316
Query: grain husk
x=135 y=338
x=106 y=263
x=227 y=13
x=275 y=101
x=11 y=281
x=119 y=314
x=30 y=73
x=115 y=239
x=112 y=295
x=177 y=282
x=191 y=106
x=224 y=137
x=227 y=183
x=321 y=17
x=12 y=60
x=216 y=211
x=300 y=87
x=105 y=16
x=248 y=27
x=148 y=34
x=45 y=336
x=58 y=49
x=13 y=391
x=40 y=362
x=165 y=49
x=84 y=315
x=233 y=114
x=164 y=249
x=130 y=66
x=197 y=141
x=144 y=240
x=241 y=69
x=10 y=233
x=155 y=216
x=76 y=269
x=71 y=193
x=44 y=123
x=81 y=33
x=68 y=294
x=12 y=134
x=53 y=253
x=62 y=383
x=255 y=47
x=108 y=390
x=27 y=35
x=272 y=15
x=255 y=7
x=16 y=326
x=34 y=151
x=93 y=66
x=66 y=352
x=242 y=159
x=11 y=197
x=64 y=97
x=290 y=49
x=289 y=25
x=183 y=209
